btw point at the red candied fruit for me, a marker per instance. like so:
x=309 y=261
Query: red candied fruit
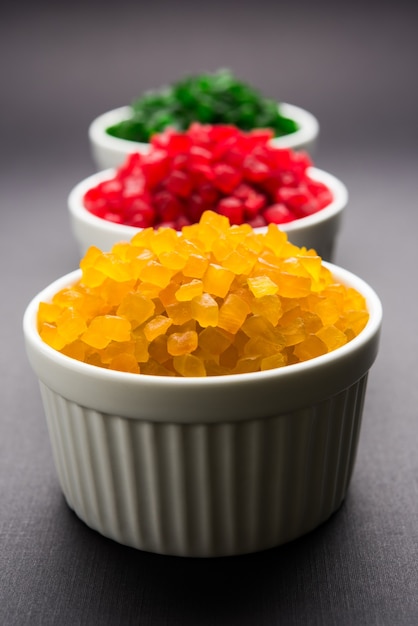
x=238 y=174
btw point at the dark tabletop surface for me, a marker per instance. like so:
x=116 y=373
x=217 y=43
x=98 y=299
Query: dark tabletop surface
x=355 y=70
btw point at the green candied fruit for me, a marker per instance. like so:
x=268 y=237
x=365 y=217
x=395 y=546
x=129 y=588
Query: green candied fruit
x=217 y=98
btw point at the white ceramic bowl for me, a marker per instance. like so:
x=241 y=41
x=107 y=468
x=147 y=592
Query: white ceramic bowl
x=318 y=231
x=205 y=467
x=109 y=152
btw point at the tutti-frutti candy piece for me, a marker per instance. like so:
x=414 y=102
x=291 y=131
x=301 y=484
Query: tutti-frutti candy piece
x=238 y=174
x=129 y=312
x=209 y=98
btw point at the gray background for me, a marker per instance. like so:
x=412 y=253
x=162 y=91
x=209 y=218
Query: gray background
x=355 y=69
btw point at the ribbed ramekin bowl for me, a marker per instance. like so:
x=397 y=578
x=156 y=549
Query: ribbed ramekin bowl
x=318 y=231
x=209 y=467
x=109 y=152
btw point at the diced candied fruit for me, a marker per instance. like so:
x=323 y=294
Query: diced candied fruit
x=294 y=331
x=182 y=343
x=278 y=213
x=262 y=286
x=195 y=266
x=180 y=312
x=153 y=368
x=214 y=340
x=353 y=322
x=269 y=307
x=76 y=350
x=50 y=334
x=125 y=363
x=106 y=328
x=238 y=262
x=158 y=349
x=156 y=274
x=112 y=292
x=217 y=280
x=258 y=346
x=247 y=364
x=71 y=325
x=205 y=310
x=189 y=290
x=48 y=312
x=136 y=308
x=233 y=209
x=273 y=361
x=158 y=325
x=140 y=346
x=189 y=365
x=328 y=308
x=232 y=313
x=237 y=173
x=332 y=337
x=218 y=96
x=310 y=348
x=291 y=286
x=116 y=348
x=264 y=303
x=256 y=325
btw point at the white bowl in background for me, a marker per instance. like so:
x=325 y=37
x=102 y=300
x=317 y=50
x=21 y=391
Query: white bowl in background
x=212 y=466
x=110 y=152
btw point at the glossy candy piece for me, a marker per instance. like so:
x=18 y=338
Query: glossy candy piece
x=182 y=343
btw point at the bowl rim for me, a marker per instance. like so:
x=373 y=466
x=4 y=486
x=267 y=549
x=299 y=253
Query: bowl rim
x=320 y=377
x=83 y=216
x=307 y=132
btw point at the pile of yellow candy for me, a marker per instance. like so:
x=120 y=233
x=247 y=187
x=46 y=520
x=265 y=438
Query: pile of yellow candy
x=211 y=300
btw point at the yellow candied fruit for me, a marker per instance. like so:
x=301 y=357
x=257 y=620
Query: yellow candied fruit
x=113 y=292
x=76 y=350
x=247 y=364
x=332 y=337
x=158 y=349
x=48 y=312
x=115 y=349
x=205 y=310
x=240 y=261
x=273 y=361
x=157 y=326
x=136 y=307
x=71 y=325
x=156 y=274
x=214 y=341
x=262 y=286
x=50 y=334
x=189 y=365
x=163 y=240
x=309 y=348
x=125 y=363
x=211 y=300
x=106 y=328
x=232 y=313
x=195 y=266
x=189 y=290
x=217 y=280
x=179 y=312
x=182 y=343
x=269 y=307
x=113 y=267
x=140 y=346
